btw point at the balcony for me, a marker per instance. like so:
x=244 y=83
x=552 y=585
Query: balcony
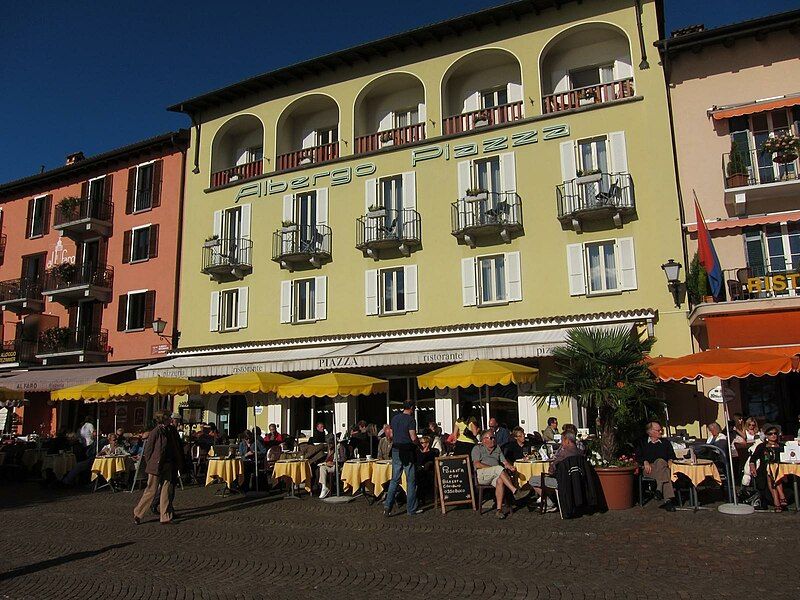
x=68 y=283
x=18 y=352
x=487 y=215
x=227 y=258
x=390 y=138
x=766 y=185
x=308 y=156
x=588 y=96
x=388 y=231
x=21 y=296
x=297 y=247
x=595 y=197
x=487 y=117
x=81 y=218
x=67 y=342
x=236 y=174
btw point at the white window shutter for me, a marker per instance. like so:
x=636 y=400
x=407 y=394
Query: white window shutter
x=370 y=193
x=508 y=172
x=241 y=321
x=410 y=190
x=472 y=102
x=321 y=298
x=622 y=70
x=561 y=77
x=568 y=167
x=310 y=139
x=410 y=287
x=286 y=301
x=627 y=263
x=422 y=112
x=514 y=91
x=244 y=226
x=513 y=276
x=464 y=177
x=322 y=206
x=575 y=269
x=288 y=207
x=387 y=122
x=619 y=154
x=213 y=323
x=371 y=291
x=468 y=287
x=217 y=223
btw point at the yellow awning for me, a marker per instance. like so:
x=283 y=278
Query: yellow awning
x=156 y=386
x=478 y=373
x=246 y=383
x=92 y=392
x=334 y=384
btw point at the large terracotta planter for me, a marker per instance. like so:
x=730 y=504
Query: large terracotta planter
x=617 y=485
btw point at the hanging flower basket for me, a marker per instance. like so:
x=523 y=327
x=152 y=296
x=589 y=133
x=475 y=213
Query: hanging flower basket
x=784 y=148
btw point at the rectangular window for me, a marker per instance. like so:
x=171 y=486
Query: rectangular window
x=392 y=289
x=405 y=117
x=304 y=300
x=751 y=132
x=325 y=136
x=38 y=217
x=136 y=311
x=391 y=189
x=494 y=97
x=492 y=279
x=589 y=76
x=486 y=174
x=144 y=188
x=229 y=310
x=97 y=190
x=140 y=243
x=254 y=154
x=602 y=261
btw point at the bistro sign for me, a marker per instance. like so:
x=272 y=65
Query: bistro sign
x=774 y=283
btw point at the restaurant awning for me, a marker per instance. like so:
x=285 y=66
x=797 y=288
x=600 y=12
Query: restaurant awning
x=46 y=380
x=775 y=218
x=423 y=350
x=754 y=107
x=723 y=363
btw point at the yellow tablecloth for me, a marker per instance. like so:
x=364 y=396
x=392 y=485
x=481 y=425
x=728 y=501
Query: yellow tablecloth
x=108 y=466
x=697 y=473
x=31 y=456
x=225 y=469
x=355 y=473
x=781 y=470
x=382 y=474
x=298 y=471
x=528 y=472
x=60 y=464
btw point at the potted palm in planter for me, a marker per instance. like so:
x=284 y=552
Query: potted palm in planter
x=482 y=118
x=697 y=283
x=737 y=168
x=65 y=272
x=68 y=207
x=387 y=138
x=605 y=372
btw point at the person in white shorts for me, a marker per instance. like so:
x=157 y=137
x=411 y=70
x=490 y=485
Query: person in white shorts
x=490 y=469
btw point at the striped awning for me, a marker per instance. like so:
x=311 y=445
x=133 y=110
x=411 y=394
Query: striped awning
x=754 y=107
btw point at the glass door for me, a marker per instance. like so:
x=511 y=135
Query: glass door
x=487 y=177
x=306 y=219
x=392 y=199
x=231 y=231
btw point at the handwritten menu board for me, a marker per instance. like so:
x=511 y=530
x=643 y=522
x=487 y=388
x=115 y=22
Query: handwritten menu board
x=454 y=481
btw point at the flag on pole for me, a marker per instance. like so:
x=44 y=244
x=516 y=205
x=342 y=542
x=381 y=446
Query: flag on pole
x=707 y=254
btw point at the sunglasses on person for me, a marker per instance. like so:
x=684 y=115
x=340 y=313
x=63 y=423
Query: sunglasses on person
x=489 y=437
x=772 y=433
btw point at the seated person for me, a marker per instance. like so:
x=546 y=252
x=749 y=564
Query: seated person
x=752 y=432
x=247 y=451
x=490 y=469
x=135 y=446
x=273 y=437
x=122 y=440
x=359 y=440
x=517 y=448
x=569 y=427
x=655 y=455
x=112 y=448
x=327 y=467
x=568 y=448
x=319 y=434
x=426 y=460
x=764 y=454
x=385 y=444
x=501 y=432
x=549 y=432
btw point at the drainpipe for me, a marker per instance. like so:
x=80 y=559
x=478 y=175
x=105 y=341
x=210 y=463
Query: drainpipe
x=196 y=125
x=644 y=64
x=181 y=196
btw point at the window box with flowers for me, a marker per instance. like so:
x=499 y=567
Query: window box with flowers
x=482 y=118
x=784 y=148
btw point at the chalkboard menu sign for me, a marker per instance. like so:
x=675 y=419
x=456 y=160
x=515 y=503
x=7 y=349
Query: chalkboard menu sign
x=454 y=481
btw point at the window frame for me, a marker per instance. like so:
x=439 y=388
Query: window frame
x=588 y=274
x=786 y=237
x=128 y=298
x=37 y=200
x=330 y=133
x=134 y=230
x=223 y=310
x=597 y=68
x=494 y=92
x=398 y=297
x=479 y=280
x=411 y=114
x=311 y=300
x=139 y=167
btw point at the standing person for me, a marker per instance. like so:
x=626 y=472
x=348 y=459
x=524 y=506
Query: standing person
x=162 y=460
x=87 y=432
x=465 y=437
x=500 y=432
x=404 y=430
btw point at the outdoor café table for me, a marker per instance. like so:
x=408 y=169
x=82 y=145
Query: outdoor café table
x=60 y=464
x=108 y=466
x=382 y=474
x=781 y=470
x=226 y=470
x=296 y=471
x=31 y=456
x=530 y=470
x=357 y=472
x=696 y=473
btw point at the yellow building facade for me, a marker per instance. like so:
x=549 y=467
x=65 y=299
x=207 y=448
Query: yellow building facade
x=471 y=189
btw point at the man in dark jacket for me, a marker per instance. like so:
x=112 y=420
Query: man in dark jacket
x=162 y=458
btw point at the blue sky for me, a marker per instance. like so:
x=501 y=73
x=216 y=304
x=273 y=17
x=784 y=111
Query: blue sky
x=94 y=76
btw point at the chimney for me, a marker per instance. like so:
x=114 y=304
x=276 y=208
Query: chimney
x=75 y=157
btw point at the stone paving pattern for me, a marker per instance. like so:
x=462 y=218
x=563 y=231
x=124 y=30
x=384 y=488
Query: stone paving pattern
x=67 y=544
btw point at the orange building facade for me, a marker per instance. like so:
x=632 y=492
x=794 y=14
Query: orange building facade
x=89 y=260
x=733 y=91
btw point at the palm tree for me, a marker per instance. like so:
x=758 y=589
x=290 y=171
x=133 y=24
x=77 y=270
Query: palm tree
x=604 y=370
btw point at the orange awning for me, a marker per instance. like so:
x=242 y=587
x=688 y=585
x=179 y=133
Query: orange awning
x=774 y=219
x=723 y=363
x=755 y=107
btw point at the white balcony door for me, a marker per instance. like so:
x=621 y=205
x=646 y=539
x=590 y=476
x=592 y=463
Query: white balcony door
x=305 y=215
x=392 y=200
x=593 y=157
x=486 y=175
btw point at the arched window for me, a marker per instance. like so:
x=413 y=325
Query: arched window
x=308 y=132
x=237 y=151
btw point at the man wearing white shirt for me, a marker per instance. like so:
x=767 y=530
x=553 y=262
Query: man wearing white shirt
x=87 y=432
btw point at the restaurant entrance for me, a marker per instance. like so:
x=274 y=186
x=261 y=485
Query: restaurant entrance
x=773 y=400
x=232 y=415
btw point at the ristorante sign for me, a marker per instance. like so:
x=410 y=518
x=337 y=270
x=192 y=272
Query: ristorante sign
x=346 y=175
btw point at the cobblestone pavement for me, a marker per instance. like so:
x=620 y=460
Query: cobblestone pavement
x=82 y=545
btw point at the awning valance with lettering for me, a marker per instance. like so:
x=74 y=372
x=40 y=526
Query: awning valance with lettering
x=47 y=380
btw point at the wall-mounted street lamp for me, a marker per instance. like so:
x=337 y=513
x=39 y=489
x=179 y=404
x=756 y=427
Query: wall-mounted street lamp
x=672 y=270
x=159 y=325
